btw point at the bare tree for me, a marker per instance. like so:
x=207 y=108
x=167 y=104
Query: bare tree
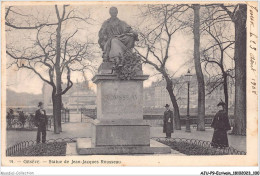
x=198 y=27
x=192 y=21
x=199 y=73
x=219 y=54
x=238 y=14
x=156 y=40
x=51 y=52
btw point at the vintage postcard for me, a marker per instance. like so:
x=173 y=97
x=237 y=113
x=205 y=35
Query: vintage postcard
x=129 y=83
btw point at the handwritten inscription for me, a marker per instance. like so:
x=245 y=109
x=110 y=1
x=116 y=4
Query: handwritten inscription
x=253 y=85
x=252 y=62
x=253 y=46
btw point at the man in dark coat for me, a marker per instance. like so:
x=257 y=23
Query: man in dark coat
x=221 y=125
x=41 y=122
x=168 y=121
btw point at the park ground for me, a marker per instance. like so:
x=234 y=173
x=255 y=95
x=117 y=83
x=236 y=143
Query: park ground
x=75 y=129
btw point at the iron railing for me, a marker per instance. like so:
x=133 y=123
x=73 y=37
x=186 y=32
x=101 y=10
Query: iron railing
x=28 y=124
x=198 y=147
x=10 y=151
x=183 y=145
x=65 y=115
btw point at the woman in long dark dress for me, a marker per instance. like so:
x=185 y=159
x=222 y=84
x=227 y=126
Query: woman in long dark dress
x=221 y=125
x=168 y=121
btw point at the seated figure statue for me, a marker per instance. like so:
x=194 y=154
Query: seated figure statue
x=116 y=37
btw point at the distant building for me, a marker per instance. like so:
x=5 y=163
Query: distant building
x=180 y=91
x=77 y=97
x=148 y=97
x=156 y=96
x=213 y=98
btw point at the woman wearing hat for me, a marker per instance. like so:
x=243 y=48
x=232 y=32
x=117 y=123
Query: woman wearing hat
x=41 y=122
x=221 y=125
x=168 y=121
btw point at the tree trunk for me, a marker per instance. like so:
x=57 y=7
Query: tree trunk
x=58 y=99
x=240 y=71
x=225 y=85
x=174 y=102
x=58 y=75
x=200 y=77
x=55 y=115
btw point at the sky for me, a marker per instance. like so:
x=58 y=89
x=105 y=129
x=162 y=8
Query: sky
x=180 y=52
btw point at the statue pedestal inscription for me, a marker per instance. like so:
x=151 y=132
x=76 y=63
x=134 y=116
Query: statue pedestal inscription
x=119 y=127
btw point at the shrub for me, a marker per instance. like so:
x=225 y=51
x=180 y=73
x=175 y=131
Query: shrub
x=194 y=149
x=44 y=149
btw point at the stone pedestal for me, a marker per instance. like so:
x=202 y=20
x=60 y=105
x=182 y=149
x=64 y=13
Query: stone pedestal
x=119 y=99
x=120 y=133
x=119 y=127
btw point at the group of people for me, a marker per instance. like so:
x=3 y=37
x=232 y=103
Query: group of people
x=220 y=123
x=115 y=38
x=11 y=116
x=40 y=121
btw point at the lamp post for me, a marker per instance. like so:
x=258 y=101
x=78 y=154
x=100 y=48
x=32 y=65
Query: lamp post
x=188 y=79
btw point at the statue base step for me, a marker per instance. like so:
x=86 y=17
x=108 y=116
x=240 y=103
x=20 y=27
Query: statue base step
x=84 y=147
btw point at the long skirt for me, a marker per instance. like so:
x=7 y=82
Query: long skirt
x=168 y=128
x=219 y=139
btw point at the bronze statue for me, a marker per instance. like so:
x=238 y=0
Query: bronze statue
x=116 y=37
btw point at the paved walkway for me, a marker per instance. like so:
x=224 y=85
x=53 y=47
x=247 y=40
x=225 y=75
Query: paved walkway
x=77 y=129
x=75 y=117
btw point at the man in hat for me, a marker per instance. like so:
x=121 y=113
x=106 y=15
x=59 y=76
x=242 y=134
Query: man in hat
x=168 y=121
x=221 y=125
x=41 y=122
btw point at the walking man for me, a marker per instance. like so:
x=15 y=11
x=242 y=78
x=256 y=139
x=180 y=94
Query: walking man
x=41 y=122
x=168 y=121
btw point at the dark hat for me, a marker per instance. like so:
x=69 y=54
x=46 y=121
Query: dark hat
x=221 y=103
x=40 y=103
x=166 y=105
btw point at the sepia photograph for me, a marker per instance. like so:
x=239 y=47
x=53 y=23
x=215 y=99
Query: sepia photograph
x=129 y=84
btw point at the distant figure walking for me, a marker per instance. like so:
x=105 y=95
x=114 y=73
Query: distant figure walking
x=41 y=122
x=221 y=125
x=168 y=121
